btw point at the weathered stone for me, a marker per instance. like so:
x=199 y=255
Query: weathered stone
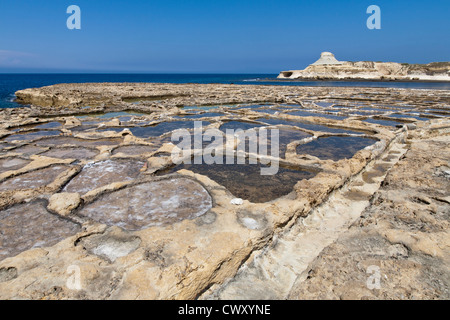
x=185 y=236
x=72 y=122
x=398 y=251
x=112 y=123
x=7 y=274
x=111 y=245
x=64 y=203
x=397 y=233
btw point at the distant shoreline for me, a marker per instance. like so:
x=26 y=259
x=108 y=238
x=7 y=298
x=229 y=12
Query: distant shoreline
x=354 y=80
x=10 y=83
x=329 y=68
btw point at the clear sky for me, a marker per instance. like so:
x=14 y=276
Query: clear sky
x=216 y=36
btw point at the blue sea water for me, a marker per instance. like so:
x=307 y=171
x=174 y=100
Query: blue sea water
x=10 y=83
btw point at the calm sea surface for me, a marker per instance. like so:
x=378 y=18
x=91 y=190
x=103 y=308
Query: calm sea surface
x=10 y=83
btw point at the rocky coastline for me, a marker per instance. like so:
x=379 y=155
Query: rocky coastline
x=87 y=184
x=329 y=68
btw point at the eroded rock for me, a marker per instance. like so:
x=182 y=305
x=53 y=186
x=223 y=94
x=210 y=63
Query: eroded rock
x=64 y=203
x=252 y=221
x=111 y=245
x=182 y=237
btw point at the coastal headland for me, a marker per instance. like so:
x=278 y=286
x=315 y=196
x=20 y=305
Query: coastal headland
x=329 y=68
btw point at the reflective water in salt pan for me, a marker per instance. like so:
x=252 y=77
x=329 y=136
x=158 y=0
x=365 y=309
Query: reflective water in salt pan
x=253 y=106
x=49 y=125
x=388 y=123
x=245 y=180
x=235 y=125
x=159 y=129
x=374 y=109
x=204 y=107
x=269 y=111
x=57 y=141
x=32 y=135
x=202 y=115
x=285 y=136
x=408 y=116
x=307 y=126
x=109 y=115
x=335 y=148
x=302 y=113
x=324 y=104
x=42 y=126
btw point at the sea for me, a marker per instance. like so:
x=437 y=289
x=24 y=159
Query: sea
x=10 y=83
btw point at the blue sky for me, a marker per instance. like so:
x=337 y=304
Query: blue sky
x=215 y=36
